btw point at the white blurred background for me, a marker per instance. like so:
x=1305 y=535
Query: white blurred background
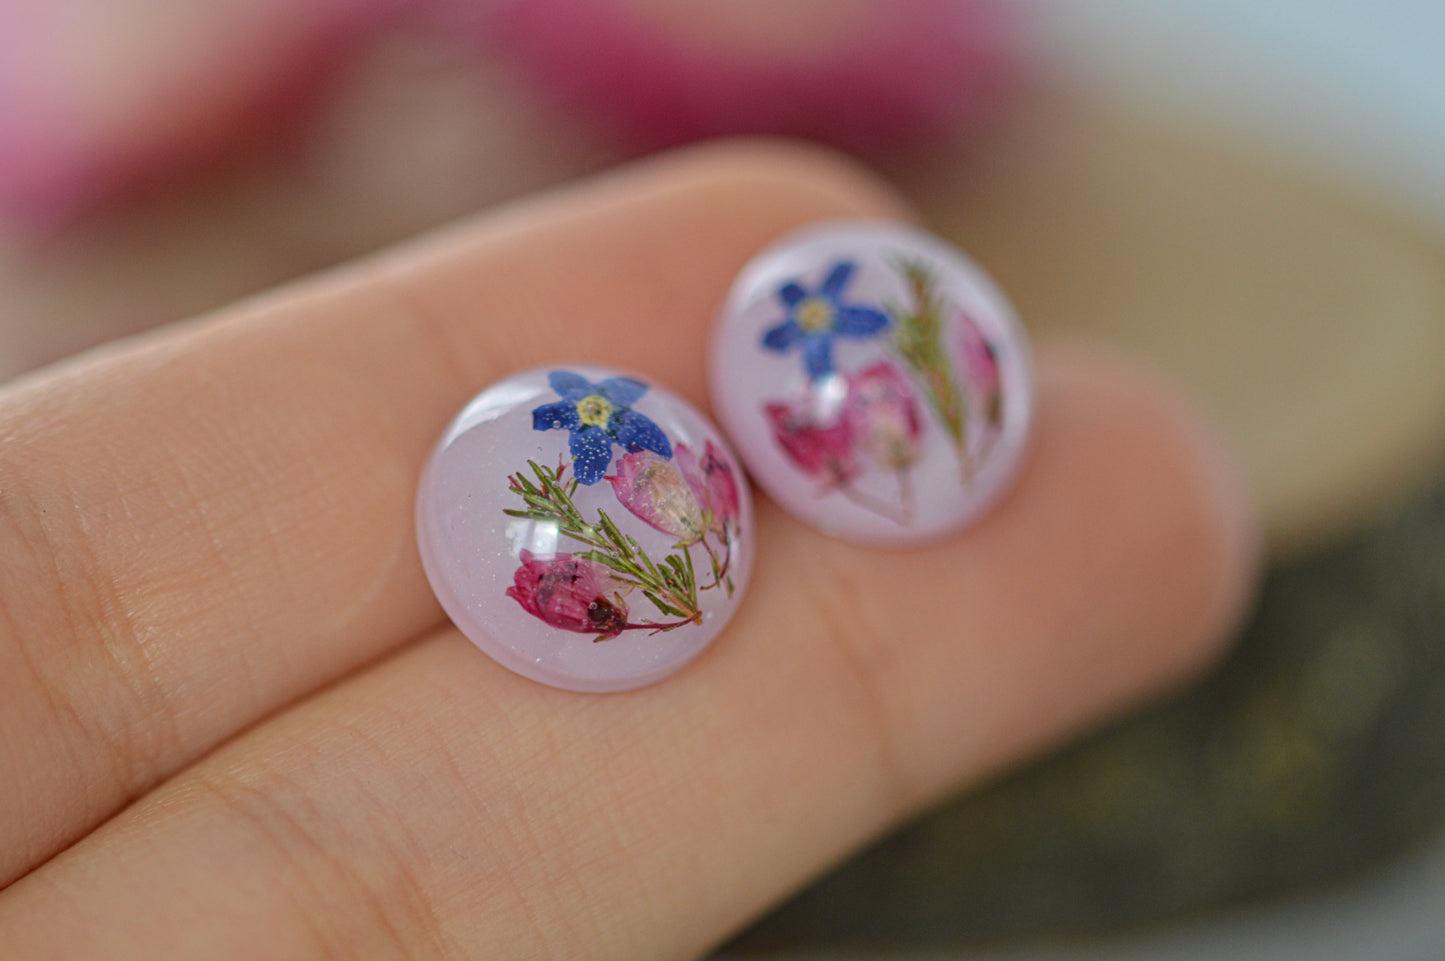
x=1352 y=89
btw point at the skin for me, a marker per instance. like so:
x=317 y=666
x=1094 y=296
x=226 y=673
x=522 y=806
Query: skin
x=235 y=724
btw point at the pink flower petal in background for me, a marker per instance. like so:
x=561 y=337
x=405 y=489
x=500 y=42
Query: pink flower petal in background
x=866 y=75
x=98 y=94
x=826 y=451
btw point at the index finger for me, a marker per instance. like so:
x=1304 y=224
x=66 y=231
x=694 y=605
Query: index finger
x=201 y=526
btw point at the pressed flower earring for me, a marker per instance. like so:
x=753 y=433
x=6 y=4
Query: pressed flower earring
x=586 y=529
x=875 y=381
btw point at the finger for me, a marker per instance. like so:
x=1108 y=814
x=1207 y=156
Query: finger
x=198 y=528
x=438 y=806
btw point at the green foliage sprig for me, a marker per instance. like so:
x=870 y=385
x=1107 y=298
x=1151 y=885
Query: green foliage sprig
x=670 y=585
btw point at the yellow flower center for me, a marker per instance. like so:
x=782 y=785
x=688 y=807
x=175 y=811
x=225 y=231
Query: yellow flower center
x=814 y=315
x=595 y=410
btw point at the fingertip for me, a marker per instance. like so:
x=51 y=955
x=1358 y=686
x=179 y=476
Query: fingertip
x=1114 y=571
x=1207 y=533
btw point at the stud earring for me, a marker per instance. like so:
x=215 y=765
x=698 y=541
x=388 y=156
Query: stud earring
x=874 y=380
x=584 y=528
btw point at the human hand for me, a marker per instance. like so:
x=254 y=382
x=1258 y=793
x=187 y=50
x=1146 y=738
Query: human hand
x=234 y=723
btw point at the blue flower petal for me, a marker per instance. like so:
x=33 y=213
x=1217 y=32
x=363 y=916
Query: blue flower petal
x=561 y=415
x=636 y=432
x=860 y=321
x=791 y=294
x=591 y=453
x=622 y=391
x=783 y=336
x=836 y=280
x=571 y=386
x=818 y=355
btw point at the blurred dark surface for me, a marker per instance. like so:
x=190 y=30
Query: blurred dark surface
x=1315 y=750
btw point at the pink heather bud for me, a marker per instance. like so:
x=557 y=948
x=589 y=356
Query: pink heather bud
x=824 y=451
x=653 y=488
x=572 y=593
x=712 y=480
x=884 y=414
x=981 y=371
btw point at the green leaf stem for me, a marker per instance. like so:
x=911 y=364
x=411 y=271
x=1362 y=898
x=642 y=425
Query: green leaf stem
x=671 y=585
x=918 y=341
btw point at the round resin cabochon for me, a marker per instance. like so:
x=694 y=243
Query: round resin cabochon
x=874 y=379
x=585 y=528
